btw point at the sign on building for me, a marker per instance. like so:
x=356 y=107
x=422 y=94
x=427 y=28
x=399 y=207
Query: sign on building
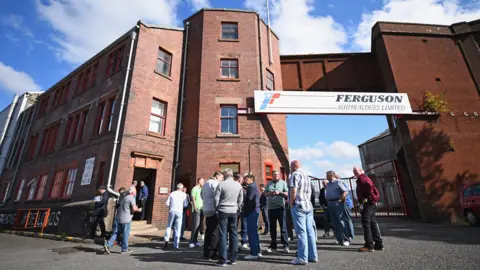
x=299 y=102
x=88 y=171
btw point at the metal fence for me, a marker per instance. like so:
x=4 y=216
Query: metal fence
x=391 y=201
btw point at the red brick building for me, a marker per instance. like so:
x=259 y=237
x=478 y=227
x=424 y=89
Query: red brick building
x=165 y=103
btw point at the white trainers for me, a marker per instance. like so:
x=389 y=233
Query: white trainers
x=191 y=245
x=251 y=257
x=269 y=250
x=202 y=236
x=335 y=242
x=244 y=247
x=260 y=255
x=346 y=244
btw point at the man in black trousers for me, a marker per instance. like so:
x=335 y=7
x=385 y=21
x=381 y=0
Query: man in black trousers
x=264 y=208
x=100 y=212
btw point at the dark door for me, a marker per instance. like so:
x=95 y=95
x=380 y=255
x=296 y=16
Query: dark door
x=148 y=176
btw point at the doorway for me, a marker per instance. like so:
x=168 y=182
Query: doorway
x=148 y=176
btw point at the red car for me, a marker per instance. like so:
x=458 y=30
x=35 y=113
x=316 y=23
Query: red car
x=470 y=202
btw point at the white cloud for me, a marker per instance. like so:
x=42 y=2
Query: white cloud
x=305 y=153
x=339 y=156
x=199 y=4
x=300 y=31
x=17 y=22
x=83 y=28
x=415 y=11
x=343 y=150
x=12 y=38
x=15 y=81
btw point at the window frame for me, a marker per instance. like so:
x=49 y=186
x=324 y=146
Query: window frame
x=43 y=184
x=235 y=118
x=19 y=190
x=56 y=185
x=272 y=80
x=223 y=31
x=7 y=186
x=266 y=176
x=115 y=61
x=220 y=164
x=474 y=188
x=165 y=62
x=164 y=117
x=32 y=146
x=237 y=67
x=104 y=117
x=32 y=189
x=68 y=183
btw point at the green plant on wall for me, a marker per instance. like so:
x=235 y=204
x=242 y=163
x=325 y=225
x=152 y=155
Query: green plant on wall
x=451 y=145
x=434 y=102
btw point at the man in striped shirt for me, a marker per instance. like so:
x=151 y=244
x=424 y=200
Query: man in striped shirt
x=302 y=214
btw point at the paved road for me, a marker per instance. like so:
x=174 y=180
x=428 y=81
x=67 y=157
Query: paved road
x=409 y=245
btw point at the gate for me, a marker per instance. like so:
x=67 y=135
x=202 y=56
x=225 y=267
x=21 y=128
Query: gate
x=385 y=178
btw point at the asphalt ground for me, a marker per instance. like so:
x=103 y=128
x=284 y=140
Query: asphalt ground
x=408 y=245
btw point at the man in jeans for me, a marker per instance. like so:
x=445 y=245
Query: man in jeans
x=197 y=207
x=276 y=192
x=302 y=214
x=251 y=210
x=126 y=208
x=175 y=203
x=336 y=193
x=228 y=198
x=368 y=196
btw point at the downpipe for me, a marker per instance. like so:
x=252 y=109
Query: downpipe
x=120 y=116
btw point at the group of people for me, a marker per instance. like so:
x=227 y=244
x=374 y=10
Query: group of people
x=224 y=200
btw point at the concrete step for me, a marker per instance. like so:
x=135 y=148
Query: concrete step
x=148 y=231
x=140 y=227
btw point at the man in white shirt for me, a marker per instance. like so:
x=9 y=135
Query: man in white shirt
x=175 y=203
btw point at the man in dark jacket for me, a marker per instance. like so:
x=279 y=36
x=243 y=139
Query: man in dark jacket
x=250 y=211
x=100 y=212
x=264 y=208
x=327 y=223
x=368 y=196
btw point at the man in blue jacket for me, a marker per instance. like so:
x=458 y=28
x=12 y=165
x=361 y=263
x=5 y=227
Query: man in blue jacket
x=142 y=199
x=251 y=211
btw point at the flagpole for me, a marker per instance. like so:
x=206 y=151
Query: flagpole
x=270 y=53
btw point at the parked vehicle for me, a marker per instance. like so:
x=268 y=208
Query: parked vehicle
x=470 y=202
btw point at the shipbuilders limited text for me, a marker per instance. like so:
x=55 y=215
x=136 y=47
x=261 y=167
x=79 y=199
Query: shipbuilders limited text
x=370 y=102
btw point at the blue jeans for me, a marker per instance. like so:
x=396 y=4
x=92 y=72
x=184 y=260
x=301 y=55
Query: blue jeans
x=350 y=228
x=184 y=221
x=175 y=219
x=339 y=220
x=227 y=223
x=244 y=227
x=122 y=229
x=253 y=238
x=304 y=228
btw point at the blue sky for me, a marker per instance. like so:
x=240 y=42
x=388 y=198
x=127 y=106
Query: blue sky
x=41 y=41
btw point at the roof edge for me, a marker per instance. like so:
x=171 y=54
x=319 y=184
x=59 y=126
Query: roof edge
x=322 y=54
x=230 y=10
x=158 y=26
x=384 y=134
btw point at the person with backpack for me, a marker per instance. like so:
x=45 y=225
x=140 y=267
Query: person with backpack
x=368 y=196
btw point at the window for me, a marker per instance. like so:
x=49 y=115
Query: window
x=270 y=81
x=229 y=30
x=228 y=119
x=105 y=116
x=466 y=191
x=75 y=128
x=19 y=190
x=476 y=190
x=229 y=68
x=49 y=139
x=164 y=63
x=60 y=95
x=5 y=192
x=101 y=173
x=32 y=145
x=69 y=183
x=41 y=187
x=268 y=171
x=43 y=109
x=114 y=61
x=57 y=185
x=158 y=116
x=234 y=166
x=86 y=79
x=32 y=188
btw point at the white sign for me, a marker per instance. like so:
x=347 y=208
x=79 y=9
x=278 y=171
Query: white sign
x=331 y=102
x=163 y=190
x=88 y=171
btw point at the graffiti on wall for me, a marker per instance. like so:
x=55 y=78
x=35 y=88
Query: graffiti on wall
x=35 y=218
